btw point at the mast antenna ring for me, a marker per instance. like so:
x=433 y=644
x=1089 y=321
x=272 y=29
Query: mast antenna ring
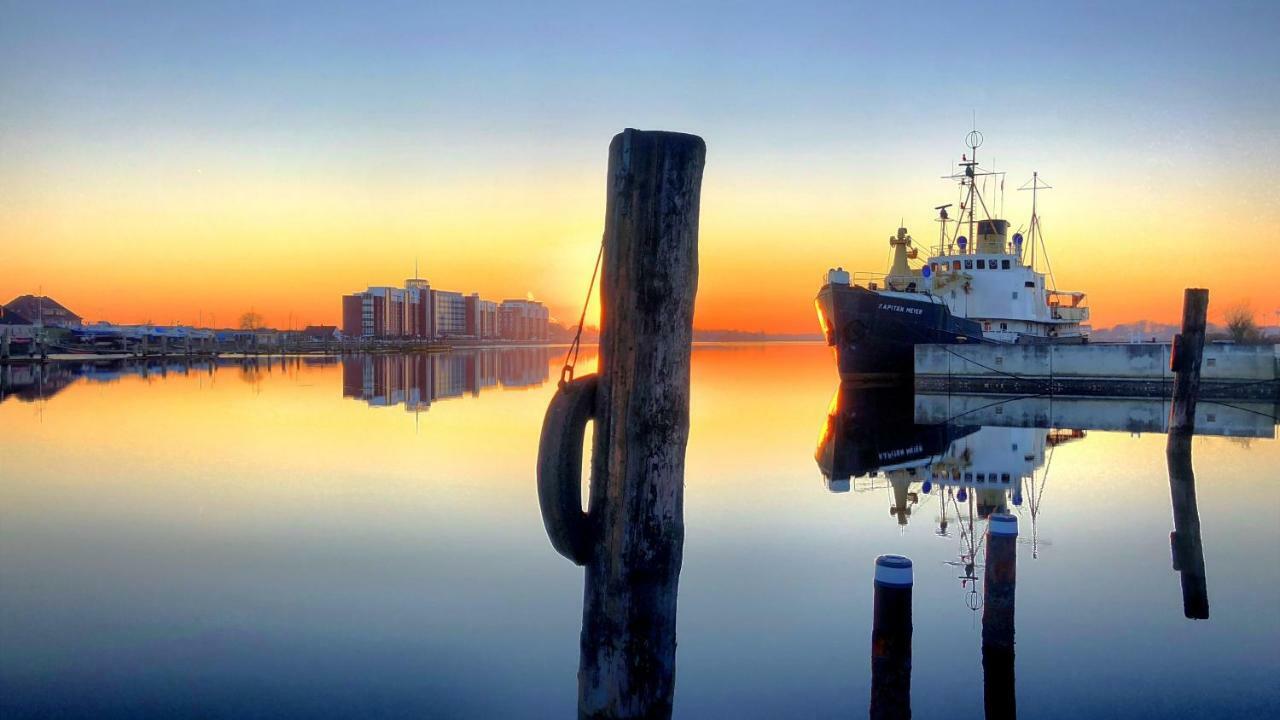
x=973 y=139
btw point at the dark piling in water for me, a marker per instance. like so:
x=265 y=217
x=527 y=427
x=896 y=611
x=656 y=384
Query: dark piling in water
x=1187 y=549
x=891 y=639
x=631 y=539
x=998 y=588
x=1188 y=348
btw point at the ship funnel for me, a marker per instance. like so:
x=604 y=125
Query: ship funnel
x=992 y=236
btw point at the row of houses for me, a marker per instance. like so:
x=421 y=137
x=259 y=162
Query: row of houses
x=418 y=311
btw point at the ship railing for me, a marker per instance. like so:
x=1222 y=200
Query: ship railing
x=1070 y=314
x=1064 y=298
x=870 y=280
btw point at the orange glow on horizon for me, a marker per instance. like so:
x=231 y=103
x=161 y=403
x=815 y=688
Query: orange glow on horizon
x=214 y=249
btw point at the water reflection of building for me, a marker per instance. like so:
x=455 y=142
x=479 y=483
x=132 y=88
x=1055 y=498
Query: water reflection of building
x=417 y=380
x=35 y=382
x=32 y=382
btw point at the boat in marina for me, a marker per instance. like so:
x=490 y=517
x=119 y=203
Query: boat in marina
x=978 y=284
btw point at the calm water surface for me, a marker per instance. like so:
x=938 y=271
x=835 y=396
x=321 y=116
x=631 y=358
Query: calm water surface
x=362 y=538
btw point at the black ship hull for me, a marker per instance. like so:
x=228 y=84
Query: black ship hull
x=875 y=334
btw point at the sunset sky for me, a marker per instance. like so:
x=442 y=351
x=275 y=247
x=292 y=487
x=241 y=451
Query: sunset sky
x=165 y=162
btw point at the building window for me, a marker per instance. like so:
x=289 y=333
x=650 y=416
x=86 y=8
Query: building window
x=982 y=264
x=1004 y=264
x=955 y=265
x=968 y=264
x=1004 y=326
x=1015 y=294
x=1029 y=284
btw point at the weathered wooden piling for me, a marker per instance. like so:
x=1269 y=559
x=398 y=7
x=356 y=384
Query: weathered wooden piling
x=631 y=538
x=1187 y=550
x=1185 y=544
x=999 y=585
x=891 y=639
x=1188 y=348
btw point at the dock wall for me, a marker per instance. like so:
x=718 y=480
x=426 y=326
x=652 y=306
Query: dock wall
x=1116 y=370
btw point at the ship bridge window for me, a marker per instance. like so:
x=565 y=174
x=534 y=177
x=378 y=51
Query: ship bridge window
x=1029 y=284
x=1015 y=294
x=982 y=264
x=1004 y=264
x=955 y=265
x=968 y=264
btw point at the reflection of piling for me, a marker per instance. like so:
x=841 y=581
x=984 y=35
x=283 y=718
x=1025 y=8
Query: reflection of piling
x=891 y=638
x=901 y=499
x=631 y=540
x=1188 y=347
x=1188 y=551
x=1000 y=696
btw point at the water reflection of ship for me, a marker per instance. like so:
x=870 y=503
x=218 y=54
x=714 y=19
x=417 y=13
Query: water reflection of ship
x=417 y=380
x=871 y=442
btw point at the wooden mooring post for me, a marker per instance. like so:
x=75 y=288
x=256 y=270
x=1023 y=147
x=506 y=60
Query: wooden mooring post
x=998 y=592
x=891 y=639
x=631 y=539
x=1188 y=348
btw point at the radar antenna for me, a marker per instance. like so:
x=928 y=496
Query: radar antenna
x=943 y=218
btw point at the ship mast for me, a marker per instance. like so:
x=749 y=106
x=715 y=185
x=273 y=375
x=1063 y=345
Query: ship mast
x=969 y=180
x=973 y=140
x=1035 y=185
